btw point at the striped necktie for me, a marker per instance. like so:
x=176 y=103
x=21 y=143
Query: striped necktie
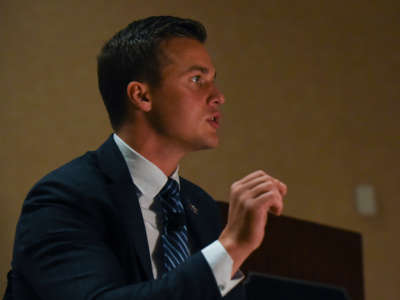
x=174 y=235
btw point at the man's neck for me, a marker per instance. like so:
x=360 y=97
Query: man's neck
x=161 y=153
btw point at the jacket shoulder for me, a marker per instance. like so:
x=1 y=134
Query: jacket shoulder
x=78 y=171
x=77 y=185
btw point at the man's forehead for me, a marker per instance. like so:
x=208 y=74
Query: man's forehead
x=188 y=53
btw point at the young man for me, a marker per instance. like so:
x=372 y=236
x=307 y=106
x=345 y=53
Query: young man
x=119 y=222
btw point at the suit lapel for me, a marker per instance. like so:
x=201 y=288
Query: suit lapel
x=123 y=193
x=202 y=229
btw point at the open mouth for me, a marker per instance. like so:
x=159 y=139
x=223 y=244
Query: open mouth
x=214 y=120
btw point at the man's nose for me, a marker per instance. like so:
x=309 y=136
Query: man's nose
x=217 y=98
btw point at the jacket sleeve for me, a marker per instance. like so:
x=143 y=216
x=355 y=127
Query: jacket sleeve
x=62 y=254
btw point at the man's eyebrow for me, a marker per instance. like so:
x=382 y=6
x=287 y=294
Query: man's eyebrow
x=201 y=69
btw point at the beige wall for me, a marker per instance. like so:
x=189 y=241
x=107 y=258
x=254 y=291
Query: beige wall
x=313 y=98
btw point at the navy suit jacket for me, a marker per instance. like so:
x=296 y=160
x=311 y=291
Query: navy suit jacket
x=81 y=236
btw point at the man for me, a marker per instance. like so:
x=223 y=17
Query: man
x=119 y=223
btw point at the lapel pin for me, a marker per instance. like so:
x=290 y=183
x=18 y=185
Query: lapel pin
x=194 y=209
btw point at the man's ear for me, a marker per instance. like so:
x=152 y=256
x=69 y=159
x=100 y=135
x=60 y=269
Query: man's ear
x=139 y=95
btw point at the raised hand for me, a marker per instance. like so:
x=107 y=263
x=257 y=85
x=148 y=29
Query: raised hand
x=251 y=199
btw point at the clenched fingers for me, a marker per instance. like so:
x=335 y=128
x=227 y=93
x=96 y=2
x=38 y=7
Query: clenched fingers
x=256 y=178
x=271 y=201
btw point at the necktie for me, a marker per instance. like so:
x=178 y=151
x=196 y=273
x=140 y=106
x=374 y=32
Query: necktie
x=174 y=235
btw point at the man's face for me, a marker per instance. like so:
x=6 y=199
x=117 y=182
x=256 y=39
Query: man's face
x=185 y=106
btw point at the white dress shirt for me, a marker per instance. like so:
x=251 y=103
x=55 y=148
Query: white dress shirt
x=149 y=179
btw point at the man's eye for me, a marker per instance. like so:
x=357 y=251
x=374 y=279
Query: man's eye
x=196 y=79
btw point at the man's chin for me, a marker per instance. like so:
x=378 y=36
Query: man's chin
x=203 y=146
x=210 y=145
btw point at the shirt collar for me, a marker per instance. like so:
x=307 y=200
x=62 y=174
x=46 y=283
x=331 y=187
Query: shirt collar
x=146 y=176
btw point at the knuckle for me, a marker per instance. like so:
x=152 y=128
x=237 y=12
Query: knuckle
x=243 y=197
x=269 y=183
x=260 y=172
x=264 y=187
x=265 y=198
x=247 y=205
x=234 y=185
x=277 y=196
x=272 y=196
x=235 y=188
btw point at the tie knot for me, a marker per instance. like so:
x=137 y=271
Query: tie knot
x=170 y=189
x=170 y=199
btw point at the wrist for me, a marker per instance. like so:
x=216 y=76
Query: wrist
x=237 y=252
